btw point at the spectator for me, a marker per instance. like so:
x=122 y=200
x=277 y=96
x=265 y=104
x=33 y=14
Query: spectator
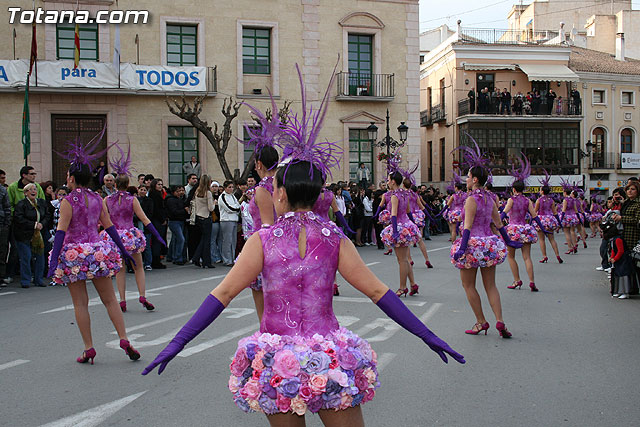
x=147 y=181
x=229 y=215
x=364 y=175
x=147 y=206
x=357 y=215
x=159 y=221
x=247 y=220
x=377 y=225
x=551 y=96
x=30 y=217
x=203 y=205
x=536 y=101
x=98 y=174
x=140 y=181
x=240 y=188
x=251 y=182
x=367 y=203
x=604 y=256
x=496 y=97
x=109 y=186
x=472 y=101
x=505 y=102
x=192 y=182
x=575 y=101
x=177 y=214
x=27 y=176
x=5 y=223
x=216 y=237
x=3 y=178
x=559 y=106
x=192 y=167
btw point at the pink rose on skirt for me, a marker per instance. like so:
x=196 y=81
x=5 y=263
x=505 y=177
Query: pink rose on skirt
x=99 y=256
x=286 y=364
x=71 y=255
x=305 y=392
x=283 y=403
x=298 y=406
x=318 y=383
x=251 y=390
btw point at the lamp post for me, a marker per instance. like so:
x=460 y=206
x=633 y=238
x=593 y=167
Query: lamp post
x=387 y=141
x=589 y=146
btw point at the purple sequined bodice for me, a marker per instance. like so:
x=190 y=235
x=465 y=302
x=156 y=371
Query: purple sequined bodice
x=413 y=201
x=458 y=200
x=120 y=206
x=323 y=204
x=519 y=210
x=571 y=206
x=298 y=291
x=484 y=208
x=87 y=207
x=545 y=206
x=403 y=200
x=254 y=210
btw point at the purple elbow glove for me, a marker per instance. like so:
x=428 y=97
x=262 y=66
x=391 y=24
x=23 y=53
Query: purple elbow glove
x=151 y=229
x=113 y=233
x=209 y=310
x=398 y=312
x=375 y=216
x=537 y=221
x=55 y=252
x=394 y=228
x=507 y=239
x=463 y=244
x=561 y=219
x=343 y=222
x=503 y=215
x=558 y=219
x=410 y=215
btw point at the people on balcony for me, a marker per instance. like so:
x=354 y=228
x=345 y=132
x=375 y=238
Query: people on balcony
x=551 y=96
x=505 y=102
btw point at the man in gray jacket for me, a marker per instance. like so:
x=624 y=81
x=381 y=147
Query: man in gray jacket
x=192 y=167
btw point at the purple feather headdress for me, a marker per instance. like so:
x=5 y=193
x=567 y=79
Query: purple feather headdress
x=490 y=178
x=122 y=165
x=393 y=162
x=566 y=185
x=301 y=140
x=268 y=132
x=472 y=156
x=523 y=172
x=78 y=153
x=408 y=173
x=546 y=181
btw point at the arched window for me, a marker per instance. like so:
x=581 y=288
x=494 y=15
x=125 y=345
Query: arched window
x=626 y=141
x=599 y=139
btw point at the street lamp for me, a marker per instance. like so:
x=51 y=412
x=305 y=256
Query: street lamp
x=387 y=141
x=589 y=146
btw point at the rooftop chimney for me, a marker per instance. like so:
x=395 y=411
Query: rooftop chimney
x=444 y=32
x=620 y=46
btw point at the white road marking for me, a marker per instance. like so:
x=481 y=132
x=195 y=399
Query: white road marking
x=134 y=339
x=384 y=359
x=372 y=263
x=432 y=310
x=156 y=322
x=439 y=249
x=389 y=328
x=12 y=364
x=7 y=293
x=347 y=320
x=94 y=416
x=367 y=300
x=216 y=341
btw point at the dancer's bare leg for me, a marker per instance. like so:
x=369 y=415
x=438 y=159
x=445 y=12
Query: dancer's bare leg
x=80 y=299
x=489 y=281
x=468 y=278
x=108 y=297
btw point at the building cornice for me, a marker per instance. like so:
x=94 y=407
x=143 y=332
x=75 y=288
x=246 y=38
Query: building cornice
x=593 y=77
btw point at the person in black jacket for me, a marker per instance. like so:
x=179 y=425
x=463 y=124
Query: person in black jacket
x=29 y=219
x=147 y=206
x=159 y=221
x=5 y=225
x=377 y=225
x=177 y=213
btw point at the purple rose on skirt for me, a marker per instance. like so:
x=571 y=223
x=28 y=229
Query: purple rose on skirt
x=347 y=360
x=268 y=405
x=357 y=399
x=269 y=391
x=243 y=404
x=267 y=359
x=247 y=372
x=251 y=351
x=331 y=401
x=318 y=363
x=333 y=388
x=289 y=388
x=315 y=404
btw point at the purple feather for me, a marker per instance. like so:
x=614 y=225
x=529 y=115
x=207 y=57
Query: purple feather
x=268 y=132
x=78 y=154
x=472 y=156
x=546 y=181
x=122 y=165
x=408 y=173
x=523 y=172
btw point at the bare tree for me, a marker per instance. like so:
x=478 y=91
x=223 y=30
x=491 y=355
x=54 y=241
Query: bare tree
x=219 y=139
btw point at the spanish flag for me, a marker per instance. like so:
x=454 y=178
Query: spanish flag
x=76 y=42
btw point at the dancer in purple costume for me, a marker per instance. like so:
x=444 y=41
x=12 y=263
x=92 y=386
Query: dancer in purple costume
x=569 y=219
x=121 y=206
x=595 y=216
x=456 y=206
x=478 y=247
x=416 y=207
x=581 y=211
x=301 y=360
x=401 y=234
x=548 y=214
x=78 y=253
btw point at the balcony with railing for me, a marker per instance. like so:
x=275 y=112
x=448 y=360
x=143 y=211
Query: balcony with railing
x=365 y=87
x=520 y=107
x=599 y=160
x=433 y=115
x=520 y=37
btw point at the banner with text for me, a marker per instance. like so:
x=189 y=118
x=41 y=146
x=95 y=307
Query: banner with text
x=630 y=161
x=101 y=75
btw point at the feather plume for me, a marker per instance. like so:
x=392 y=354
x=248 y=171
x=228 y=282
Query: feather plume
x=523 y=172
x=268 y=132
x=78 y=153
x=122 y=165
x=546 y=181
x=472 y=156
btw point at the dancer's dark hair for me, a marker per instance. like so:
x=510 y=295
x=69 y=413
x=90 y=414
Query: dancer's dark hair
x=302 y=187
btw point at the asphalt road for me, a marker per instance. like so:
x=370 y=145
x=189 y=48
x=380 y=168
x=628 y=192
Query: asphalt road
x=572 y=360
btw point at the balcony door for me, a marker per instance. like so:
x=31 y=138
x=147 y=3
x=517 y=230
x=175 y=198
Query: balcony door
x=599 y=139
x=67 y=128
x=360 y=65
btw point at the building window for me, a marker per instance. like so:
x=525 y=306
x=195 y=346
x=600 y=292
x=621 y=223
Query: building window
x=430 y=154
x=182 y=45
x=421 y=59
x=183 y=143
x=65 y=41
x=599 y=139
x=442 y=159
x=599 y=96
x=626 y=141
x=627 y=98
x=247 y=150
x=360 y=151
x=442 y=94
x=256 y=50
x=360 y=64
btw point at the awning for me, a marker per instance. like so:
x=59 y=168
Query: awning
x=488 y=67
x=549 y=73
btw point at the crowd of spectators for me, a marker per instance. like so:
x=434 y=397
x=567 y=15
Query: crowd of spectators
x=533 y=103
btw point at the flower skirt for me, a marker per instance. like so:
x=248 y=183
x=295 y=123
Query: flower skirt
x=256 y=285
x=485 y=251
x=418 y=218
x=408 y=234
x=384 y=217
x=132 y=239
x=281 y=373
x=454 y=215
x=594 y=217
x=523 y=233
x=570 y=220
x=84 y=261
x=549 y=222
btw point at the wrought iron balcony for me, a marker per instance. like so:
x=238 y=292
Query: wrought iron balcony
x=365 y=87
x=434 y=115
x=599 y=160
x=498 y=36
